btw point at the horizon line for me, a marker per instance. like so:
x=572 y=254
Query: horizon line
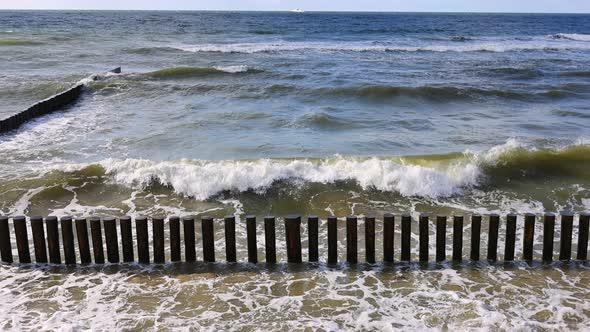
x=287 y=11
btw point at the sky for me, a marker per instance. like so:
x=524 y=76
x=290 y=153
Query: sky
x=528 y=6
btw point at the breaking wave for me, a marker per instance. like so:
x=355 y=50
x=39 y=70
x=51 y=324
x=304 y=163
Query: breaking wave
x=571 y=36
x=466 y=46
x=430 y=176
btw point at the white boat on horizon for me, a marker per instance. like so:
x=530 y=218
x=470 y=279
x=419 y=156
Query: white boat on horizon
x=297 y=10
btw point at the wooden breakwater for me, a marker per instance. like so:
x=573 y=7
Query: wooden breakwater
x=125 y=243
x=41 y=108
x=44 y=107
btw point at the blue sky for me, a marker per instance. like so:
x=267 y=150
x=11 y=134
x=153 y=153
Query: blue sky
x=545 y=6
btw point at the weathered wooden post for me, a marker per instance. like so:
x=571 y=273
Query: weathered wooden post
x=441 y=238
x=126 y=239
x=528 y=237
x=83 y=243
x=5 y=246
x=96 y=234
x=112 y=240
x=22 y=239
x=143 y=241
x=313 y=238
x=370 y=239
x=293 y=235
x=475 y=236
x=230 y=238
x=251 y=239
x=53 y=240
x=332 y=240
x=158 y=240
x=510 y=237
x=494 y=223
x=406 y=237
x=270 y=243
x=67 y=234
x=565 y=249
x=457 y=238
x=190 y=253
x=351 y=240
x=174 y=224
x=39 y=239
x=548 y=235
x=208 y=230
x=423 y=237
x=584 y=222
x=388 y=230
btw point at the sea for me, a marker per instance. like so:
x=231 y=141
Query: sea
x=273 y=113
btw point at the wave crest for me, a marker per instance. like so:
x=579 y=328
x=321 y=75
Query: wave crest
x=431 y=176
x=571 y=36
x=179 y=72
x=465 y=46
x=203 y=179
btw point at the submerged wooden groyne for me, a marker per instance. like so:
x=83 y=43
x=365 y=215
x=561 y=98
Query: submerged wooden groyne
x=44 y=107
x=123 y=244
x=41 y=108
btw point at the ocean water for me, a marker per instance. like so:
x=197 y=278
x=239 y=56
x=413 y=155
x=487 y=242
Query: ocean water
x=272 y=113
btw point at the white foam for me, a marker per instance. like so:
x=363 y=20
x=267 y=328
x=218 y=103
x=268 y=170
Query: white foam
x=234 y=69
x=480 y=46
x=571 y=36
x=203 y=179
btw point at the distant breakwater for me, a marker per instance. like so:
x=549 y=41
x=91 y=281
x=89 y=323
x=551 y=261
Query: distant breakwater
x=44 y=107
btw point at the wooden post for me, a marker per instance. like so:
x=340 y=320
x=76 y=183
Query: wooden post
x=158 y=240
x=293 y=235
x=53 y=240
x=112 y=240
x=39 y=239
x=388 y=230
x=190 y=254
x=22 y=239
x=67 y=235
x=332 y=240
x=312 y=233
x=230 y=238
x=251 y=239
x=528 y=237
x=406 y=237
x=126 y=239
x=270 y=243
x=475 y=236
x=493 y=237
x=457 y=238
x=423 y=235
x=351 y=240
x=548 y=235
x=584 y=222
x=510 y=237
x=97 y=246
x=370 y=239
x=208 y=230
x=5 y=246
x=441 y=238
x=143 y=241
x=83 y=243
x=565 y=248
x=174 y=223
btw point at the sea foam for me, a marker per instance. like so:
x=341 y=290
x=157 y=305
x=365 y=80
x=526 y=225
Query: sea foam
x=203 y=179
x=569 y=42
